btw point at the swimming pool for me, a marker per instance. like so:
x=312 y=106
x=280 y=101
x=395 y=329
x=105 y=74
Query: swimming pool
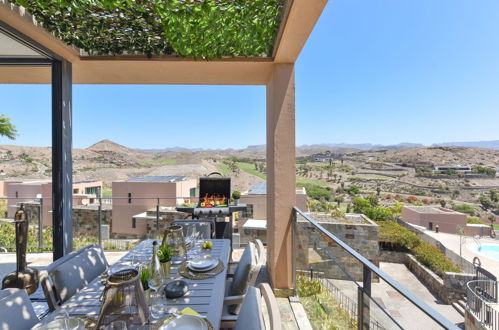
x=489 y=250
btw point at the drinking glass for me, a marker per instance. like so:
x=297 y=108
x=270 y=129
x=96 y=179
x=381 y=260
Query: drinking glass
x=158 y=304
x=118 y=325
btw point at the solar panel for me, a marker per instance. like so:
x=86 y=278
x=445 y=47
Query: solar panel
x=167 y=178
x=259 y=188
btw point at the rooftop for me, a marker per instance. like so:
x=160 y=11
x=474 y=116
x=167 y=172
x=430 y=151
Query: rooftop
x=431 y=210
x=260 y=188
x=168 y=178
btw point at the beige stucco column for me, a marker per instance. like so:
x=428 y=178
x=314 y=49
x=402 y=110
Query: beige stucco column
x=281 y=195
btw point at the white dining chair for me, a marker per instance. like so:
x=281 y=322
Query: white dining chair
x=205 y=228
x=16 y=311
x=245 y=275
x=71 y=273
x=251 y=313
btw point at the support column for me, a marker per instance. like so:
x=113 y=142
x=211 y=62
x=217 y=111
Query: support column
x=281 y=175
x=62 y=160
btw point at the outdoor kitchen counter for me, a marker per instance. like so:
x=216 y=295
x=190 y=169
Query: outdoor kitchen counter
x=205 y=296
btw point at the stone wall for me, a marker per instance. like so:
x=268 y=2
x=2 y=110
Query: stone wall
x=318 y=252
x=86 y=219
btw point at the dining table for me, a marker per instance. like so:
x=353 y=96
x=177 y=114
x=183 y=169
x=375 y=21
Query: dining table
x=205 y=296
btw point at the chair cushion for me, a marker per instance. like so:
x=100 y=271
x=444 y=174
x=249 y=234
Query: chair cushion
x=250 y=315
x=240 y=280
x=16 y=311
x=77 y=272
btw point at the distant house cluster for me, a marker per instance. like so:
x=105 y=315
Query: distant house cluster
x=456 y=168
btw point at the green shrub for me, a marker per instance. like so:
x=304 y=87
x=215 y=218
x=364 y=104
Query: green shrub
x=317 y=192
x=484 y=170
x=397 y=236
x=474 y=220
x=464 y=208
x=307 y=287
x=433 y=258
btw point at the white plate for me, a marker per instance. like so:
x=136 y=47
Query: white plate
x=203 y=263
x=185 y=322
x=73 y=323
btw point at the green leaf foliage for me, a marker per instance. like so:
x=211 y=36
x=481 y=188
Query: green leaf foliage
x=7 y=129
x=433 y=258
x=396 y=235
x=464 y=208
x=400 y=239
x=199 y=28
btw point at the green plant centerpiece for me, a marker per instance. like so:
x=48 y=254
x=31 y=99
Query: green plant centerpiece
x=236 y=195
x=145 y=276
x=165 y=253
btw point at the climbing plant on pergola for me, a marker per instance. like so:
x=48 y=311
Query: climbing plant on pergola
x=206 y=29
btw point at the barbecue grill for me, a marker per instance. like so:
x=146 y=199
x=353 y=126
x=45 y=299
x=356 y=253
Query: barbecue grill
x=216 y=190
x=214 y=202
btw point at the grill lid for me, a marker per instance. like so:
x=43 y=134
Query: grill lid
x=211 y=186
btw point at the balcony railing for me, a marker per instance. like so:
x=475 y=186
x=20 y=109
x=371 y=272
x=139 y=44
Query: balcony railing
x=482 y=302
x=331 y=277
x=116 y=223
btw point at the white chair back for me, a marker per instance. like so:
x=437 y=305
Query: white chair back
x=251 y=313
x=16 y=311
x=71 y=273
x=205 y=228
x=261 y=253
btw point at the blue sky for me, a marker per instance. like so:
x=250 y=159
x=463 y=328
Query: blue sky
x=379 y=71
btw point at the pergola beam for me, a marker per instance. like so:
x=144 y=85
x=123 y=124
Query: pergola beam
x=300 y=22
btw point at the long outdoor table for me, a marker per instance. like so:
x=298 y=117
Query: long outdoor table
x=204 y=296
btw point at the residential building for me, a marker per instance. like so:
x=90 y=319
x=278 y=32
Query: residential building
x=138 y=195
x=84 y=192
x=448 y=221
x=457 y=168
x=253 y=221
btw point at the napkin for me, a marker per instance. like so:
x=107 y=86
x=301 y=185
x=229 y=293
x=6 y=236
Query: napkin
x=189 y=311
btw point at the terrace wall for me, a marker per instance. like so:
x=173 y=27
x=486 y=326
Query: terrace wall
x=315 y=251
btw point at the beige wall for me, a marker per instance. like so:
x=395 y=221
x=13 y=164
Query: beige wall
x=123 y=211
x=449 y=222
x=29 y=191
x=259 y=203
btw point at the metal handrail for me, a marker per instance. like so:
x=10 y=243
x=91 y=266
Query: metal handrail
x=433 y=314
x=480 y=302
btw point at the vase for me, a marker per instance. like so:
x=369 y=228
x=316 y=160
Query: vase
x=174 y=238
x=165 y=268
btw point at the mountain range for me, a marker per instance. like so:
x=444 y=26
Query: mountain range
x=494 y=144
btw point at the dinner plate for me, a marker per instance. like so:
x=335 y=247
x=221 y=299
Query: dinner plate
x=203 y=263
x=73 y=323
x=185 y=322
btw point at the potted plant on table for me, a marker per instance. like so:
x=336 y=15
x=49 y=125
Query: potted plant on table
x=165 y=258
x=236 y=194
x=145 y=276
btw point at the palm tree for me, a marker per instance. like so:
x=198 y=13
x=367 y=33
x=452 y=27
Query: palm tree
x=7 y=128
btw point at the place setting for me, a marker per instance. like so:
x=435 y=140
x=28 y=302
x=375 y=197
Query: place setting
x=201 y=267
